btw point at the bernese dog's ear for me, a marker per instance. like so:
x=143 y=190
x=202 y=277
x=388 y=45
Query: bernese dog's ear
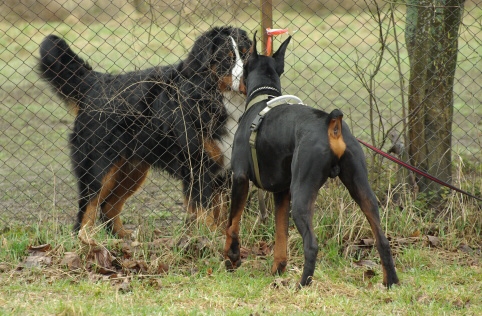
x=201 y=54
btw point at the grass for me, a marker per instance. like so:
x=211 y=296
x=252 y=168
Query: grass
x=252 y=293
x=438 y=260
x=434 y=280
x=37 y=190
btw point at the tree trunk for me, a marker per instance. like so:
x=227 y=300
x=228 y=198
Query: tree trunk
x=431 y=37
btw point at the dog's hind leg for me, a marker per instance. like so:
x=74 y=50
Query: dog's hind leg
x=92 y=195
x=218 y=204
x=198 y=191
x=239 y=195
x=302 y=213
x=309 y=174
x=218 y=207
x=353 y=174
x=128 y=180
x=282 y=207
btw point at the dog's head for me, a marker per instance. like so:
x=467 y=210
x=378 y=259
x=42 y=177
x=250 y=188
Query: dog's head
x=221 y=53
x=263 y=70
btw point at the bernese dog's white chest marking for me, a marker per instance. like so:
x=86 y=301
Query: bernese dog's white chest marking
x=237 y=71
x=234 y=103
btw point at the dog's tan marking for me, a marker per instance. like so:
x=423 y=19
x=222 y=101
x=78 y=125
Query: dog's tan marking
x=232 y=231
x=192 y=210
x=337 y=144
x=242 y=86
x=128 y=180
x=73 y=106
x=218 y=210
x=225 y=83
x=108 y=184
x=214 y=151
x=281 y=237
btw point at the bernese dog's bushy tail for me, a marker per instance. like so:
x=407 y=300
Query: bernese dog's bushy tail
x=62 y=68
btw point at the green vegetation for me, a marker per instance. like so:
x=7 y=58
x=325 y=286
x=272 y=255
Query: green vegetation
x=184 y=273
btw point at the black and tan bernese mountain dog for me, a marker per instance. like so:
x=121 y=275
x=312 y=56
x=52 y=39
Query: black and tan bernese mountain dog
x=179 y=118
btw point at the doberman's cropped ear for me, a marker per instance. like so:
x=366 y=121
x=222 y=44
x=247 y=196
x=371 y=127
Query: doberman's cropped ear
x=279 y=56
x=252 y=50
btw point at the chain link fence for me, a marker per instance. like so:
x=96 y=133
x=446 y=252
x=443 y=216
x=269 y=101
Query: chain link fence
x=350 y=55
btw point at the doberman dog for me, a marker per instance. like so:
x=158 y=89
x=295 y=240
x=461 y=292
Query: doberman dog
x=297 y=148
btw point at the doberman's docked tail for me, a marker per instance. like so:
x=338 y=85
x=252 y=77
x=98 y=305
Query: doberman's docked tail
x=337 y=144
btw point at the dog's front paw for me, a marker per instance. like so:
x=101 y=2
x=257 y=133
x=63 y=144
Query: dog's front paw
x=390 y=281
x=128 y=234
x=278 y=268
x=232 y=259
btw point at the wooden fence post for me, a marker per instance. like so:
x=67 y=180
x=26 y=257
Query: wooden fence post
x=266 y=21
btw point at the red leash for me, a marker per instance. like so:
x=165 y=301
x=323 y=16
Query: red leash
x=416 y=170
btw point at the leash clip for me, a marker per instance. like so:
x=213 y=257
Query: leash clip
x=256 y=122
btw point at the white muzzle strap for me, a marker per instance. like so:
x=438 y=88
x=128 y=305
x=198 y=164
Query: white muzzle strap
x=237 y=71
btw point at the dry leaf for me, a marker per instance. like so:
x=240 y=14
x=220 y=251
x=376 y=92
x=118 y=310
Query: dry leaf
x=166 y=242
x=162 y=268
x=134 y=265
x=37 y=261
x=86 y=238
x=194 y=270
x=280 y=282
x=102 y=259
x=71 y=260
x=244 y=252
x=114 y=276
x=368 y=274
x=465 y=248
x=155 y=283
x=261 y=249
x=183 y=242
x=424 y=299
x=407 y=241
x=94 y=277
x=351 y=251
x=415 y=233
x=4 y=267
x=157 y=232
x=202 y=243
x=40 y=248
x=366 y=263
x=126 y=251
x=388 y=300
x=135 y=244
x=129 y=264
x=124 y=287
x=367 y=242
x=37 y=256
x=433 y=241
